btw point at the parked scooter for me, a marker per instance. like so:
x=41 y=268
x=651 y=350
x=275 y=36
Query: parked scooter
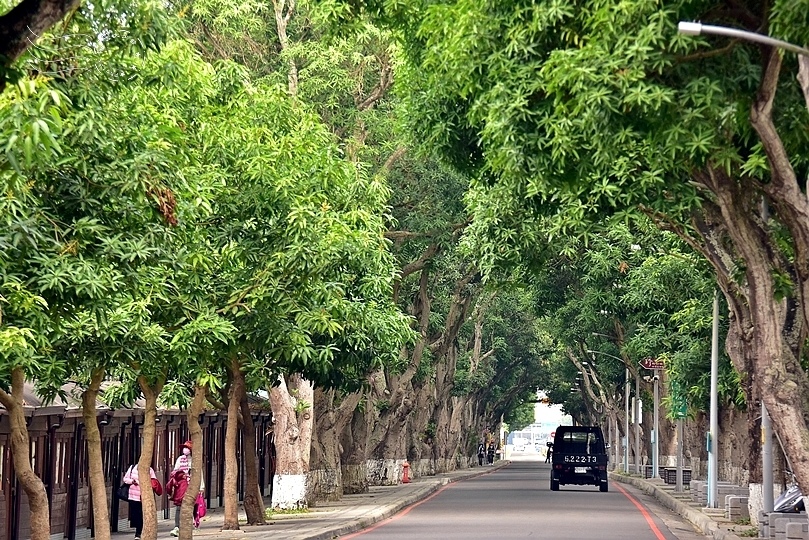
x=791 y=500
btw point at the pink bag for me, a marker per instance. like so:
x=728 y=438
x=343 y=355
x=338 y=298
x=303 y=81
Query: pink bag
x=199 y=507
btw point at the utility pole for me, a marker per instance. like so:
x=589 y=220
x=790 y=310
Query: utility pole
x=766 y=460
x=655 y=444
x=713 y=434
x=637 y=424
x=626 y=422
x=679 y=480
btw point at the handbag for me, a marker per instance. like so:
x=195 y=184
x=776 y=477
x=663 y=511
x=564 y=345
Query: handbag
x=158 y=489
x=199 y=506
x=123 y=492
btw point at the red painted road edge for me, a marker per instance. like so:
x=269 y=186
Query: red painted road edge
x=643 y=512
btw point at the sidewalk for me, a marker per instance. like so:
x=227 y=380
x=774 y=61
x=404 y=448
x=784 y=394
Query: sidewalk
x=710 y=521
x=328 y=520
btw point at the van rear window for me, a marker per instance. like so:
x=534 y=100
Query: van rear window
x=579 y=442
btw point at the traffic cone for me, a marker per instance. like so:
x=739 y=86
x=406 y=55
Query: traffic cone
x=406 y=473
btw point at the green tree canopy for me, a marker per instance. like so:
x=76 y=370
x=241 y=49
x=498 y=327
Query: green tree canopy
x=566 y=113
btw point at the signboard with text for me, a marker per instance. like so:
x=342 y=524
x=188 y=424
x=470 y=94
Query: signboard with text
x=651 y=363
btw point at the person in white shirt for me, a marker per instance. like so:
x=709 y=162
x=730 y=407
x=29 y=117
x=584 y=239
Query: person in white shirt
x=183 y=463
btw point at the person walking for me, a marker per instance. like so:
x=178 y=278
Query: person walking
x=481 y=452
x=176 y=488
x=183 y=464
x=135 y=504
x=490 y=453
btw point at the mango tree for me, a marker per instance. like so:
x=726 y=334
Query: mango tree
x=579 y=111
x=26 y=322
x=631 y=293
x=107 y=204
x=80 y=275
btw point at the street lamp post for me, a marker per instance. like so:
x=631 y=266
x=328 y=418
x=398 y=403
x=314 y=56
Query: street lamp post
x=713 y=435
x=766 y=459
x=696 y=29
x=624 y=447
x=626 y=420
x=626 y=407
x=637 y=414
x=655 y=365
x=656 y=443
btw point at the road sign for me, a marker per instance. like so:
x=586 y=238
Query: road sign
x=651 y=363
x=680 y=409
x=678 y=403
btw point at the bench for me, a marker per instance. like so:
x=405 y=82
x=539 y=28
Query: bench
x=669 y=475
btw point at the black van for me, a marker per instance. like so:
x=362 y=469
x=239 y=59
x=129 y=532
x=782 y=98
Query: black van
x=579 y=457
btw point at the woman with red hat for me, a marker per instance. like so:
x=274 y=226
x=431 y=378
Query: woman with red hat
x=183 y=464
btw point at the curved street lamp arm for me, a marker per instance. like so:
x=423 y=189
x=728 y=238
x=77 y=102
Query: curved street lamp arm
x=696 y=29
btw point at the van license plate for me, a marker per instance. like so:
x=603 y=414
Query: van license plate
x=580 y=470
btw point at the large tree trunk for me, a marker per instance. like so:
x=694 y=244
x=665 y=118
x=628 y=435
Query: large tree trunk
x=293 y=440
x=770 y=321
x=253 y=502
x=473 y=419
x=397 y=394
x=443 y=441
x=718 y=247
x=450 y=437
x=324 y=482
x=420 y=432
x=447 y=437
x=21 y=26
x=145 y=462
x=782 y=327
x=330 y=421
x=610 y=406
x=21 y=454
x=399 y=434
x=101 y=516
x=446 y=433
x=771 y=333
x=354 y=443
x=195 y=432
x=231 y=522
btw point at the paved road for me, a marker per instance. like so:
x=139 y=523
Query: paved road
x=516 y=502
